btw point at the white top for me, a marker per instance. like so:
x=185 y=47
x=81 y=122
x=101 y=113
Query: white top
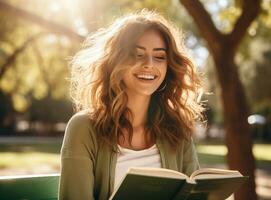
x=130 y=158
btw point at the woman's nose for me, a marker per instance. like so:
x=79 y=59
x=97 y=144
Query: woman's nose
x=148 y=62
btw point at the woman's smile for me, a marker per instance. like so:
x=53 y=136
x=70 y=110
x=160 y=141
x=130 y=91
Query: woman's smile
x=145 y=76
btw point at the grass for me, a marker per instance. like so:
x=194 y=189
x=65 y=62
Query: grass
x=29 y=158
x=260 y=151
x=212 y=154
x=34 y=156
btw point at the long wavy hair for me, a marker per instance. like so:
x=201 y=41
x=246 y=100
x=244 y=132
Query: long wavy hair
x=97 y=85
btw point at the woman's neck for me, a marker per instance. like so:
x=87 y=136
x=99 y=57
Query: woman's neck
x=138 y=104
x=139 y=107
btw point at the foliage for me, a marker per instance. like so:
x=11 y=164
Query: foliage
x=41 y=70
x=38 y=74
x=253 y=58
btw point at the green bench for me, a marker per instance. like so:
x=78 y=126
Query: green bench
x=29 y=187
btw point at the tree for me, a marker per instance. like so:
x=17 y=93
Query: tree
x=33 y=61
x=223 y=48
x=26 y=56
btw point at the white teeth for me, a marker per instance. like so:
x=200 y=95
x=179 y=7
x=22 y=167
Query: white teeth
x=145 y=76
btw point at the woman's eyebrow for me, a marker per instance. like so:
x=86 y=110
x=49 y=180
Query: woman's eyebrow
x=155 y=49
x=159 y=49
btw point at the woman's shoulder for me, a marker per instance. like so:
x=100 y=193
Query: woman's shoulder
x=80 y=138
x=80 y=123
x=80 y=118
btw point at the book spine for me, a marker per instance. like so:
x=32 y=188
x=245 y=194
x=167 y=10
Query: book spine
x=184 y=192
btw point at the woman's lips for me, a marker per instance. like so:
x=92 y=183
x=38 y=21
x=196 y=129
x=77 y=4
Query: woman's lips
x=148 y=77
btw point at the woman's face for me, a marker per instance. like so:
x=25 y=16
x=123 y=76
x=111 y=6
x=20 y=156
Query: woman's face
x=149 y=69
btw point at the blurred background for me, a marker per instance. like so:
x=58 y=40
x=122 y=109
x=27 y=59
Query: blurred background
x=38 y=39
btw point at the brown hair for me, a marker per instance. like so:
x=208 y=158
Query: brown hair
x=98 y=87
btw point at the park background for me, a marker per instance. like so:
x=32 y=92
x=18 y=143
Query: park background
x=229 y=41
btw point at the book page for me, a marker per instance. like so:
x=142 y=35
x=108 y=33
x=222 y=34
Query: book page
x=158 y=172
x=214 y=173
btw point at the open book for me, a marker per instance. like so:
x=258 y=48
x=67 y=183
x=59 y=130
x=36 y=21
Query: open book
x=164 y=184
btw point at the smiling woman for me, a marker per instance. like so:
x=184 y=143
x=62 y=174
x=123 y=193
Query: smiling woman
x=136 y=91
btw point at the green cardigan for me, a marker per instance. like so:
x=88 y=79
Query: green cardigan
x=88 y=170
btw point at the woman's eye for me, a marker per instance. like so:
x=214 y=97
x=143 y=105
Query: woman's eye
x=139 y=55
x=160 y=57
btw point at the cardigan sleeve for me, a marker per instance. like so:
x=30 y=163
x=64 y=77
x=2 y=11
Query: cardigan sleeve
x=77 y=160
x=190 y=157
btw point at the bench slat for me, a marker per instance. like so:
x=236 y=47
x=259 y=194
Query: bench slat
x=31 y=187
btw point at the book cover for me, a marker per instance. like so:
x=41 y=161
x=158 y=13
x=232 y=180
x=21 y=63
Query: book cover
x=164 y=184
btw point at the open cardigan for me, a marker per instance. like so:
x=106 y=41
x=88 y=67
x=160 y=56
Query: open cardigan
x=88 y=169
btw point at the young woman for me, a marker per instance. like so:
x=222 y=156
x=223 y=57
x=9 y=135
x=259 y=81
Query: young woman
x=136 y=92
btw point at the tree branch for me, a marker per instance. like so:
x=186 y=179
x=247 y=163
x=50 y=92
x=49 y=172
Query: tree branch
x=250 y=10
x=44 y=73
x=204 y=23
x=13 y=56
x=52 y=26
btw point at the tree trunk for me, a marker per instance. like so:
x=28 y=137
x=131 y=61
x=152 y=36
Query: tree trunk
x=223 y=49
x=236 y=111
